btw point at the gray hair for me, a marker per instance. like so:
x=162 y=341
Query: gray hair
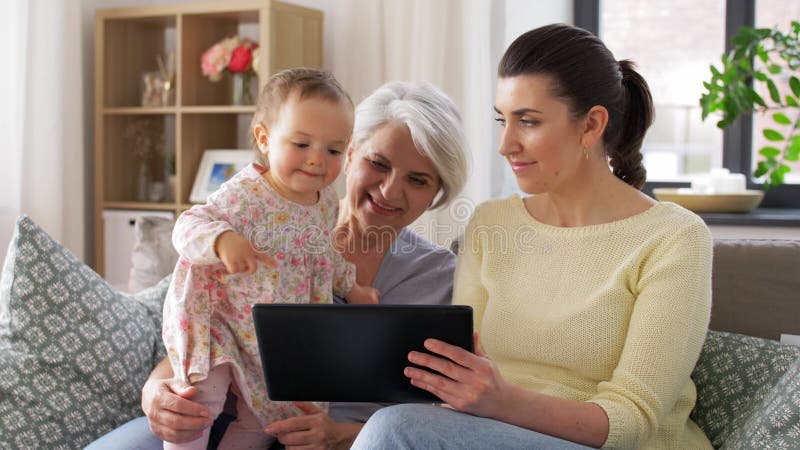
x=433 y=121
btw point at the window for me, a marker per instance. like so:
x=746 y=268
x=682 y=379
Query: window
x=679 y=144
x=673 y=42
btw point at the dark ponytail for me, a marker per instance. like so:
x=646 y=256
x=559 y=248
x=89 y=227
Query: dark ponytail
x=584 y=73
x=624 y=152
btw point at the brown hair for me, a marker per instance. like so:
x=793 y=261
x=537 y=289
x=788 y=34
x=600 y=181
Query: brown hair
x=303 y=81
x=583 y=71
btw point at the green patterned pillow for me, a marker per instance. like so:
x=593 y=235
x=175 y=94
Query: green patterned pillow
x=734 y=373
x=74 y=353
x=775 y=423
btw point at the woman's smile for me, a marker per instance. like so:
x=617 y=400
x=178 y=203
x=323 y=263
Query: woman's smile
x=517 y=166
x=382 y=208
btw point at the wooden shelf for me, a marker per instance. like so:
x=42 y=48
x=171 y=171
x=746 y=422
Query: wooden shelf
x=219 y=109
x=154 y=110
x=134 y=110
x=142 y=206
x=199 y=115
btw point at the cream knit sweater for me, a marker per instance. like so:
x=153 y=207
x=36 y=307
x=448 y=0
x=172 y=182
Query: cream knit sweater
x=614 y=314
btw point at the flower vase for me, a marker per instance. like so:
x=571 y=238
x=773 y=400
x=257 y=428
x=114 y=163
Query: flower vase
x=171 y=180
x=143 y=182
x=242 y=89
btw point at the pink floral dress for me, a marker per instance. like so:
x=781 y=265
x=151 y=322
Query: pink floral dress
x=207 y=320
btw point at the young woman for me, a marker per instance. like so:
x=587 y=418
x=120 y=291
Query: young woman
x=593 y=314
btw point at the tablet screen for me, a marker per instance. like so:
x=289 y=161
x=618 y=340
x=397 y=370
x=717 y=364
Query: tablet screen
x=351 y=353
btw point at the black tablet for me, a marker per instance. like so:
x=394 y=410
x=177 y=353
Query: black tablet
x=351 y=353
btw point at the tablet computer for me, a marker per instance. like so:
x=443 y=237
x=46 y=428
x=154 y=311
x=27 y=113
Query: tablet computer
x=351 y=353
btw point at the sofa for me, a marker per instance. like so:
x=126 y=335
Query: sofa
x=74 y=352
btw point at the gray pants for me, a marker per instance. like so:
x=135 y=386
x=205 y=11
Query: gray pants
x=432 y=427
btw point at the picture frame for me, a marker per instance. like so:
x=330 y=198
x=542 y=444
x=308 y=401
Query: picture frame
x=217 y=167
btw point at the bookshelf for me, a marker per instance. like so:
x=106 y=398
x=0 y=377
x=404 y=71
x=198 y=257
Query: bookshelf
x=198 y=114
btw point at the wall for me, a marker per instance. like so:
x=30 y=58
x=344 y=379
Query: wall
x=514 y=18
x=10 y=122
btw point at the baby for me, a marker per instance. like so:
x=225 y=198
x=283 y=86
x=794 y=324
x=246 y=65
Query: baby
x=283 y=206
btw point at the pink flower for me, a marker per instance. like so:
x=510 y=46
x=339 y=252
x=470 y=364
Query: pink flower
x=214 y=61
x=234 y=54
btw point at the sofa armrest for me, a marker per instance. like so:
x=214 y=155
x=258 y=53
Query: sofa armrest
x=755 y=287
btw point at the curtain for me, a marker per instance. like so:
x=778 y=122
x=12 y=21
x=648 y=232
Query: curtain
x=445 y=42
x=42 y=162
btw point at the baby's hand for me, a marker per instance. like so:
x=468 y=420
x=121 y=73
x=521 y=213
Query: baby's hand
x=238 y=255
x=363 y=295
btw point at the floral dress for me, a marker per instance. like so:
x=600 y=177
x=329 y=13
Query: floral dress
x=207 y=319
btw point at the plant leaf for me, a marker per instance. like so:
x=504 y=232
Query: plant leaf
x=774 y=69
x=769 y=152
x=760 y=76
x=773 y=135
x=794 y=83
x=781 y=119
x=773 y=91
x=792 y=154
x=744 y=63
x=762 y=54
x=776 y=178
x=753 y=96
x=761 y=169
x=791 y=101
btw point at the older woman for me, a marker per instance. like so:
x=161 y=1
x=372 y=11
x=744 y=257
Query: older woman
x=407 y=156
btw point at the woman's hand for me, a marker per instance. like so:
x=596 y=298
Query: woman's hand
x=172 y=416
x=471 y=382
x=238 y=255
x=313 y=430
x=363 y=295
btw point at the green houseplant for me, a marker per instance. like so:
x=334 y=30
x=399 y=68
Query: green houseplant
x=771 y=58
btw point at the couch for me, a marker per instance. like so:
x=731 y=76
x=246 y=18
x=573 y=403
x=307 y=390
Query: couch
x=74 y=352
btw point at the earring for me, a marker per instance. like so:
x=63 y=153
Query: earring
x=586 y=152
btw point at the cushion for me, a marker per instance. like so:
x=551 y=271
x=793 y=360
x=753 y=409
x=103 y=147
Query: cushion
x=735 y=373
x=775 y=423
x=750 y=296
x=153 y=257
x=74 y=353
